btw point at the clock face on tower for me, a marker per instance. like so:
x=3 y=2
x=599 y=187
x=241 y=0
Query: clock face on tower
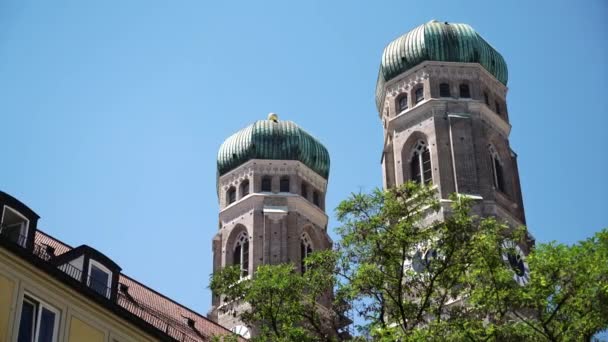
x=513 y=256
x=241 y=330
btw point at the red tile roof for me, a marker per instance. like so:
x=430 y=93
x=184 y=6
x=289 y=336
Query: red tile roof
x=151 y=306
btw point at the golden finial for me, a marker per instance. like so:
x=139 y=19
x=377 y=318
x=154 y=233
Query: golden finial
x=273 y=117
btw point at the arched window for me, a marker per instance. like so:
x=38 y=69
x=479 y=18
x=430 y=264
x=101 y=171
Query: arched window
x=419 y=93
x=245 y=188
x=266 y=184
x=420 y=164
x=231 y=195
x=444 y=90
x=304 y=190
x=284 y=186
x=464 y=91
x=497 y=170
x=315 y=198
x=305 y=250
x=240 y=254
x=402 y=103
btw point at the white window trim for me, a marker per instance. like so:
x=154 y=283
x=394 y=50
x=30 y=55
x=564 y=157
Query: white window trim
x=417 y=151
x=240 y=240
x=41 y=304
x=24 y=230
x=102 y=268
x=494 y=155
x=307 y=242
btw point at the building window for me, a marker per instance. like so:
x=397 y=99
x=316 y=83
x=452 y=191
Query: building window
x=444 y=90
x=419 y=93
x=464 y=91
x=231 y=195
x=14 y=226
x=497 y=170
x=305 y=251
x=100 y=278
x=315 y=198
x=284 y=186
x=420 y=164
x=497 y=104
x=245 y=188
x=403 y=103
x=486 y=98
x=304 y=190
x=240 y=254
x=39 y=321
x=266 y=184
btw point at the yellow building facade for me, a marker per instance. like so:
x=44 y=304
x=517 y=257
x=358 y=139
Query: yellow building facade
x=51 y=292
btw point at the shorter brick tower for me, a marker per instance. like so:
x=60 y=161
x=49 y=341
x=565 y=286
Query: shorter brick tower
x=272 y=180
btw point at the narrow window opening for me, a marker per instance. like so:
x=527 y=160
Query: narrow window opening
x=497 y=104
x=486 y=98
x=444 y=90
x=266 y=184
x=304 y=190
x=284 y=184
x=420 y=164
x=403 y=103
x=419 y=94
x=245 y=188
x=464 y=91
x=315 y=198
x=305 y=251
x=231 y=195
x=497 y=170
x=240 y=254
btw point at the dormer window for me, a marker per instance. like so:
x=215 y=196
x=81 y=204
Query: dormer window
x=266 y=184
x=284 y=184
x=100 y=278
x=403 y=103
x=14 y=226
x=444 y=90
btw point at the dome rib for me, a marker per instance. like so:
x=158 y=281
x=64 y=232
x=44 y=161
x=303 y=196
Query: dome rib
x=437 y=41
x=267 y=139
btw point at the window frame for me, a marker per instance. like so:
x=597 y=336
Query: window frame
x=39 y=305
x=419 y=94
x=468 y=90
x=25 y=228
x=498 y=174
x=417 y=160
x=231 y=195
x=282 y=181
x=400 y=99
x=242 y=240
x=244 y=186
x=443 y=87
x=306 y=249
x=263 y=182
x=101 y=267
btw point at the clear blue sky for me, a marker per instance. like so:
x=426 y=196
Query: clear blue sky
x=113 y=111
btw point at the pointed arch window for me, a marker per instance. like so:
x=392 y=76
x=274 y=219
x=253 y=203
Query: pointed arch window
x=231 y=195
x=240 y=254
x=420 y=164
x=497 y=170
x=444 y=90
x=305 y=250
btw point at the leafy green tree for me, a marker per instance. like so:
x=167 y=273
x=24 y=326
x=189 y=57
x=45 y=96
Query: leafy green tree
x=415 y=274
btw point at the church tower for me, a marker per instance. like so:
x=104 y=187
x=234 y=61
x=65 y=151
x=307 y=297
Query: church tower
x=441 y=97
x=272 y=181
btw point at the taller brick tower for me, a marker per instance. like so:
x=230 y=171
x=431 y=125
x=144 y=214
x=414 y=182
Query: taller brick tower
x=272 y=180
x=441 y=96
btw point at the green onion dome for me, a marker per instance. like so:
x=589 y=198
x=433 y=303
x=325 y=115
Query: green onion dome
x=273 y=139
x=437 y=41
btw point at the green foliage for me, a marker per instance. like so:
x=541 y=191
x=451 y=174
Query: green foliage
x=420 y=270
